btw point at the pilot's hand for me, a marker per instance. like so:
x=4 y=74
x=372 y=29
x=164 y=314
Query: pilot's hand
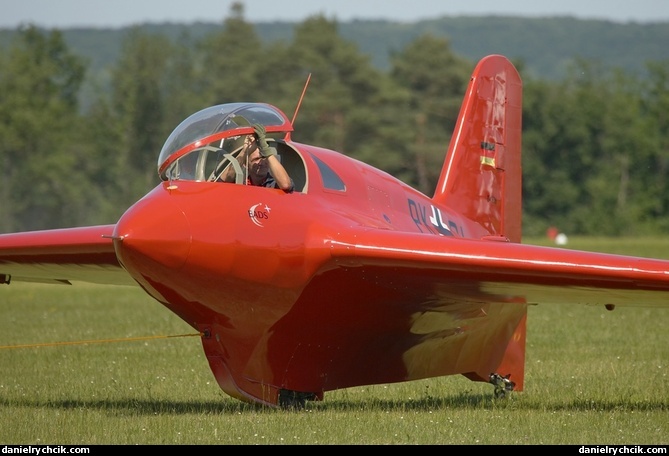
x=264 y=148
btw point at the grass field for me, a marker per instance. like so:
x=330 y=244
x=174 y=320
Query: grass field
x=592 y=377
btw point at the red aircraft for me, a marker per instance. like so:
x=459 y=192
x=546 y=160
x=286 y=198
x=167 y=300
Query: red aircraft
x=352 y=279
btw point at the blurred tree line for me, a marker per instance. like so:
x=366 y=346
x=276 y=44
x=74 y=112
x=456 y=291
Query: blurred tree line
x=595 y=145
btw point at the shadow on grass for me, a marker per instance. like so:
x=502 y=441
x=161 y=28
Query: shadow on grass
x=470 y=401
x=139 y=407
x=464 y=401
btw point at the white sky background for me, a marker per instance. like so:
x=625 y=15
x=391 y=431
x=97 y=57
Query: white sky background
x=120 y=13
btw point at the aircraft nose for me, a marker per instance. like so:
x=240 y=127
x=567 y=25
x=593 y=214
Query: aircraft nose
x=152 y=235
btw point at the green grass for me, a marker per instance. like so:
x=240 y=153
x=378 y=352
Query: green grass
x=592 y=377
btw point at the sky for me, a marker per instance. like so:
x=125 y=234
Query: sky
x=122 y=13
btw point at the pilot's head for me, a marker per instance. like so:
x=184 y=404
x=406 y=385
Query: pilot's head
x=258 y=165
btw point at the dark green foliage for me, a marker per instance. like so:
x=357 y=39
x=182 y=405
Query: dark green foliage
x=39 y=84
x=547 y=45
x=436 y=79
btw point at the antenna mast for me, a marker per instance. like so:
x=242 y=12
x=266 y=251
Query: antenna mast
x=299 y=103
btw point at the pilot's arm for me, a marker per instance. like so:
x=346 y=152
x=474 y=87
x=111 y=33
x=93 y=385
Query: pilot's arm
x=277 y=170
x=280 y=174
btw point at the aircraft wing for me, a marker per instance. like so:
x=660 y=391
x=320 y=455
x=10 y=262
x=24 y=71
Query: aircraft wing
x=61 y=256
x=510 y=272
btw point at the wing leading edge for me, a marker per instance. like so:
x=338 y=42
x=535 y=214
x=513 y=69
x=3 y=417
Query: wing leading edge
x=63 y=255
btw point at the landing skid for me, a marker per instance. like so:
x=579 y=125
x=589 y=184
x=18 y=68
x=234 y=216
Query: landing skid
x=295 y=399
x=503 y=386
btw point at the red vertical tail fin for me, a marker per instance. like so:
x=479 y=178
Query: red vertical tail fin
x=481 y=176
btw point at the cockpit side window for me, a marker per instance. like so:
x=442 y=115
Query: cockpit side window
x=331 y=179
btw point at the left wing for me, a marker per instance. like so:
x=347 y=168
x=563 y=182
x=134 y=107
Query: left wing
x=510 y=271
x=63 y=255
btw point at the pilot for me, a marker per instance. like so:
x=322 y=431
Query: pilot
x=264 y=167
